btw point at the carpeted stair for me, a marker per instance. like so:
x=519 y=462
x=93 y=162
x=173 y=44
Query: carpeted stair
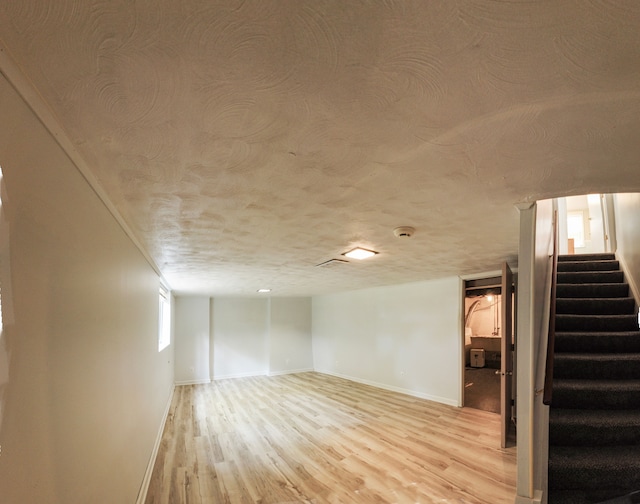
x=594 y=419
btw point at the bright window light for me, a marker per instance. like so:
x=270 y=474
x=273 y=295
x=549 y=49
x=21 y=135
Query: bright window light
x=575 y=228
x=593 y=199
x=164 y=322
x=359 y=253
x=262 y=291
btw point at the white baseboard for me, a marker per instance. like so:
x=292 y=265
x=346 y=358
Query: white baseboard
x=413 y=393
x=202 y=381
x=144 y=488
x=291 y=371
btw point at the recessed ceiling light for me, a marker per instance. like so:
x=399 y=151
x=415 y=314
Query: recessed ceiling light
x=359 y=253
x=262 y=291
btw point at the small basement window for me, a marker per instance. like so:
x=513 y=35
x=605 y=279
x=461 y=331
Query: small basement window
x=164 y=321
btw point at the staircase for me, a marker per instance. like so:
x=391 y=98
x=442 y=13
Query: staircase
x=594 y=419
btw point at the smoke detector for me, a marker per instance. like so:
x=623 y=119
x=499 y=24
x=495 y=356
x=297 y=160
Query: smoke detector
x=404 y=232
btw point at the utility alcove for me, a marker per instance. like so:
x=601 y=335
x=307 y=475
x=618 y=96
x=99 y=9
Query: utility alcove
x=482 y=342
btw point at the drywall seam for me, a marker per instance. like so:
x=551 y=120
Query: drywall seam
x=34 y=100
x=144 y=488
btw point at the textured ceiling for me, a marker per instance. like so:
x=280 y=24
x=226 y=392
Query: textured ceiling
x=245 y=142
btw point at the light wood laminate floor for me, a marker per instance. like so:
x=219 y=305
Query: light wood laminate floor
x=316 y=438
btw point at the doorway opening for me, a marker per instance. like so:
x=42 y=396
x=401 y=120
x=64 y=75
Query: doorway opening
x=482 y=337
x=489 y=343
x=585 y=223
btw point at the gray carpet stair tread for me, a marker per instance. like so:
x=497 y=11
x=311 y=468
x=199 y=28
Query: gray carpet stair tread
x=606 y=265
x=592 y=290
x=594 y=466
x=596 y=394
x=607 y=256
x=568 y=427
x=598 y=341
x=607 y=366
x=596 y=306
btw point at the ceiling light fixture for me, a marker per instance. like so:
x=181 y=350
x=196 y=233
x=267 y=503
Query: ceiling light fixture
x=263 y=291
x=359 y=253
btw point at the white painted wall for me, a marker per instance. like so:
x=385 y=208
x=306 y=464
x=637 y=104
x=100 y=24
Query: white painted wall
x=405 y=337
x=83 y=388
x=240 y=333
x=290 y=335
x=192 y=336
x=627 y=226
x=232 y=337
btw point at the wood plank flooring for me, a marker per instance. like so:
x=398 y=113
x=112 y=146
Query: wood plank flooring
x=315 y=438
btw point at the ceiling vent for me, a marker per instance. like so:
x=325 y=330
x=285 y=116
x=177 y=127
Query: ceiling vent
x=331 y=263
x=404 y=232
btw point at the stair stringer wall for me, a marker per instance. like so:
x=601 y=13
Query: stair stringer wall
x=633 y=286
x=627 y=234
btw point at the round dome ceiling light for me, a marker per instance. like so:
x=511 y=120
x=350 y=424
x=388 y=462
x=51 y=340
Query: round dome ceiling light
x=404 y=231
